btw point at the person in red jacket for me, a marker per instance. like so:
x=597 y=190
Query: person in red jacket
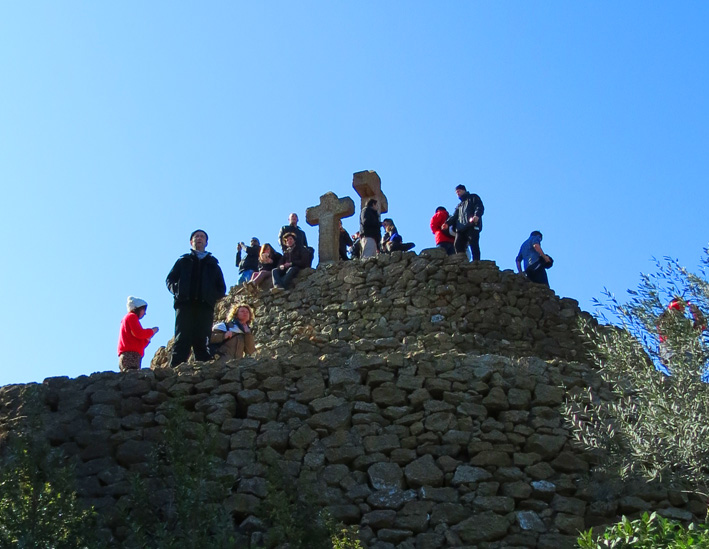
x=443 y=238
x=133 y=338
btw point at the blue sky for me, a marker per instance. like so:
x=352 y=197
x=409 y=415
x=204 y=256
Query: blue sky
x=126 y=125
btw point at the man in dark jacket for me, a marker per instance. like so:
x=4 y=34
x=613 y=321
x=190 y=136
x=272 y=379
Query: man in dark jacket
x=467 y=221
x=370 y=228
x=294 y=259
x=300 y=238
x=249 y=264
x=197 y=282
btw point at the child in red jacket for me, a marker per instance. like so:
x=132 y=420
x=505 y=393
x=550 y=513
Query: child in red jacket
x=133 y=338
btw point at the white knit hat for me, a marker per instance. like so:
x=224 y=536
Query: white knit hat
x=135 y=303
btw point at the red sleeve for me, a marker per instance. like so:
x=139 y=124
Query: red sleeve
x=137 y=330
x=435 y=223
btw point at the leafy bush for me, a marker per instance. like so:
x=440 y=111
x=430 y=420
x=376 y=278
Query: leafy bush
x=38 y=505
x=647 y=532
x=179 y=504
x=296 y=520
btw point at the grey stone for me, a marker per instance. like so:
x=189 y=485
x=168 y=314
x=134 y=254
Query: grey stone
x=386 y=476
x=482 y=527
x=423 y=472
x=529 y=520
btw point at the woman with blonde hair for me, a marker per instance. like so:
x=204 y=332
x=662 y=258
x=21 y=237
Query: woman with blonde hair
x=234 y=337
x=267 y=261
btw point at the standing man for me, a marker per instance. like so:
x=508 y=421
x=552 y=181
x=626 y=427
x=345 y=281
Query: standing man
x=536 y=262
x=197 y=282
x=292 y=227
x=249 y=264
x=467 y=221
x=370 y=228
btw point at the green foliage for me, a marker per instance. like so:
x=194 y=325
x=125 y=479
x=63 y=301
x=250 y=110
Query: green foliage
x=38 y=504
x=179 y=504
x=647 y=532
x=656 y=425
x=296 y=520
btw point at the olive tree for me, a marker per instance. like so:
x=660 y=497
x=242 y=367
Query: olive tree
x=652 y=352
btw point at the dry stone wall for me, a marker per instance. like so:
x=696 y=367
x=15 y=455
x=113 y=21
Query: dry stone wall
x=418 y=396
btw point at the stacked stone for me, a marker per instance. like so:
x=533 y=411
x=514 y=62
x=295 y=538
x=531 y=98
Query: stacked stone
x=420 y=449
x=417 y=396
x=428 y=300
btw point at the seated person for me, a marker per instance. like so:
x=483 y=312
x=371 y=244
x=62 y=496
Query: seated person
x=294 y=259
x=268 y=260
x=392 y=241
x=234 y=337
x=249 y=263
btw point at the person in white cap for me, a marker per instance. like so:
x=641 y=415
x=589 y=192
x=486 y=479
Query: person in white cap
x=133 y=338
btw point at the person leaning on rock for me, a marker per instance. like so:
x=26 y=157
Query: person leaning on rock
x=536 y=262
x=235 y=336
x=133 y=338
x=467 y=221
x=197 y=283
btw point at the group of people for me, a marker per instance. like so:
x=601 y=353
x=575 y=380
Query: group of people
x=259 y=265
x=196 y=280
x=460 y=231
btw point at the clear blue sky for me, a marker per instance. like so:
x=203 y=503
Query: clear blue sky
x=126 y=125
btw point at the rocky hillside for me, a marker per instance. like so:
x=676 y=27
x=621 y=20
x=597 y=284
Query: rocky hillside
x=418 y=396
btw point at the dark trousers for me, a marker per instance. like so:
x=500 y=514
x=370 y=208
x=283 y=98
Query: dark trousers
x=468 y=237
x=283 y=278
x=193 y=326
x=537 y=273
x=448 y=247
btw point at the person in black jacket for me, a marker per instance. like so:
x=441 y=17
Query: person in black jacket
x=249 y=264
x=294 y=259
x=467 y=222
x=345 y=243
x=197 y=283
x=370 y=228
x=300 y=238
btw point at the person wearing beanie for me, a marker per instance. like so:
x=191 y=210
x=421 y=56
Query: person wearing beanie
x=197 y=283
x=132 y=337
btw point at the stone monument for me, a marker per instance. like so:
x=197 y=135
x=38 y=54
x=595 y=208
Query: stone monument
x=368 y=185
x=328 y=215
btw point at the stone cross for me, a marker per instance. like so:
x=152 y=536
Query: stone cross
x=328 y=215
x=368 y=185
